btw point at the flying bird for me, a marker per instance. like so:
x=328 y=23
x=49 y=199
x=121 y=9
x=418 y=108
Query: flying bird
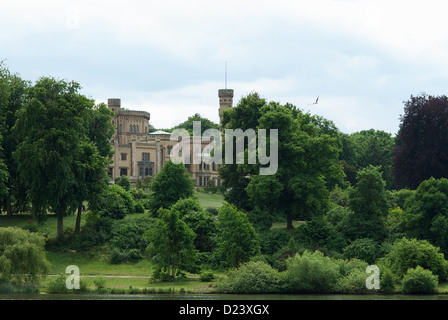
x=315 y=101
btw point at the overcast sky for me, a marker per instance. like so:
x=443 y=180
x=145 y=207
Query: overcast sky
x=362 y=58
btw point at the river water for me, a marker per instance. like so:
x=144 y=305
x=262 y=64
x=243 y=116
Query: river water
x=217 y=297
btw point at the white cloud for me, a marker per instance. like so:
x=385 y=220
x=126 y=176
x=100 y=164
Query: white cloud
x=362 y=57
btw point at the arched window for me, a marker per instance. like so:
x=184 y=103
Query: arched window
x=130 y=128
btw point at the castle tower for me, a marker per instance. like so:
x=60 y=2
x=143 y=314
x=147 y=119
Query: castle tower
x=114 y=105
x=225 y=100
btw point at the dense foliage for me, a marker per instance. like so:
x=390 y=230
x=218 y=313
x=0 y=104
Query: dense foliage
x=22 y=256
x=345 y=201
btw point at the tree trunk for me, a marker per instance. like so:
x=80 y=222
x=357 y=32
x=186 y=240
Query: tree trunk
x=60 y=227
x=289 y=225
x=78 y=219
x=8 y=204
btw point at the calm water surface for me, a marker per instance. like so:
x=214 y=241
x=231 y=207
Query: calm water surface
x=215 y=297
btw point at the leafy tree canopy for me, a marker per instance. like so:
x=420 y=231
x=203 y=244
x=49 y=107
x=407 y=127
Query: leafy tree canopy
x=171 y=184
x=422 y=148
x=188 y=124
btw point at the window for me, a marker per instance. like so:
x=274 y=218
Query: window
x=137 y=129
x=124 y=156
x=145 y=156
x=200 y=181
x=130 y=128
x=123 y=172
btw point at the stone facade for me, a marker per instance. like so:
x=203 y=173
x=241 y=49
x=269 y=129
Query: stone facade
x=139 y=153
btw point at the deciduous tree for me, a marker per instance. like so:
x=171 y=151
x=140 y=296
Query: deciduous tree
x=171 y=184
x=52 y=138
x=172 y=243
x=422 y=147
x=238 y=240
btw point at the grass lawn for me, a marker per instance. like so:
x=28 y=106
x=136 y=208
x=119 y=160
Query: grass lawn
x=282 y=225
x=210 y=200
x=116 y=276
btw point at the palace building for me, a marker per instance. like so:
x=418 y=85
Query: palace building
x=139 y=154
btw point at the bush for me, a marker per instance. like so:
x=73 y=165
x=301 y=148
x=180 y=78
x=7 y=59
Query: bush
x=419 y=280
x=139 y=208
x=58 y=285
x=387 y=281
x=87 y=239
x=124 y=182
x=114 y=202
x=319 y=233
x=364 y=249
x=311 y=273
x=207 y=275
x=99 y=282
x=128 y=238
x=251 y=277
x=22 y=256
x=272 y=241
x=354 y=282
x=410 y=253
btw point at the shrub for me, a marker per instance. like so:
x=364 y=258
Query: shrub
x=99 y=282
x=207 y=275
x=410 y=253
x=139 y=208
x=387 y=281
x=129 y=241
x=58 y=285
x=272 y=241
x=124 y=182
x=311 y=273
x=251 y=277
x=114 y=202
x=419 y=280
x=364 y=249
x=318 y=233
x=22 y=255
x=354 y=282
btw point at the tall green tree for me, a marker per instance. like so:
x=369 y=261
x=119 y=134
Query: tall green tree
x=12 y=98
x=369 y=147
x=95 y=154
x=171 y=184
x=172 y=243
x=421 y=150
x=369 y=205
x=52 y=132
x=236 y=176
x=427 y=212
x=308 y=148
x=238 y=240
